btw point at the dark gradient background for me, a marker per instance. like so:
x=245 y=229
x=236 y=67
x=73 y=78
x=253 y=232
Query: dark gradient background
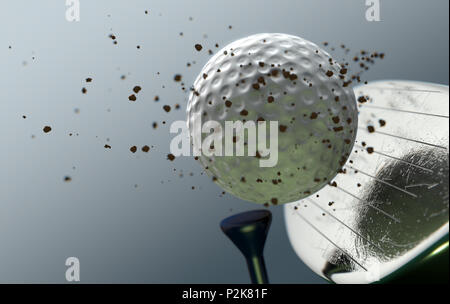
x=161 y=231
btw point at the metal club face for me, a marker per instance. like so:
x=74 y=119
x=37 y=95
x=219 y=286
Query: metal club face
x=389 y=208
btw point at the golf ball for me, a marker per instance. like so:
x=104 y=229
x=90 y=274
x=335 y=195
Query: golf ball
x=284 y=79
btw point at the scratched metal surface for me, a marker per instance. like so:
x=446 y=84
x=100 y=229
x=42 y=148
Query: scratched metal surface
x=391 y=201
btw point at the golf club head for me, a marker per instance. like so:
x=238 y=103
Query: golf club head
x=385 y=217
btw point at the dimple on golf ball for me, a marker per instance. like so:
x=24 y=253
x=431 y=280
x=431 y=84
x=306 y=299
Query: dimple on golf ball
x=282 y=78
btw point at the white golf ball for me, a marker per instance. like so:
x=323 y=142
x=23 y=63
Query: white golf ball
x=287 y=79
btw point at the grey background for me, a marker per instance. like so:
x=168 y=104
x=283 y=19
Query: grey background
x=157 y=232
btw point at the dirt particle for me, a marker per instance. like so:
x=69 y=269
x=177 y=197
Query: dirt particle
x=171 y=157
x=47 y=129
x=283 y=128
x=244 y=112
x=198 y=47
x=362 y=99
x=133 y=149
